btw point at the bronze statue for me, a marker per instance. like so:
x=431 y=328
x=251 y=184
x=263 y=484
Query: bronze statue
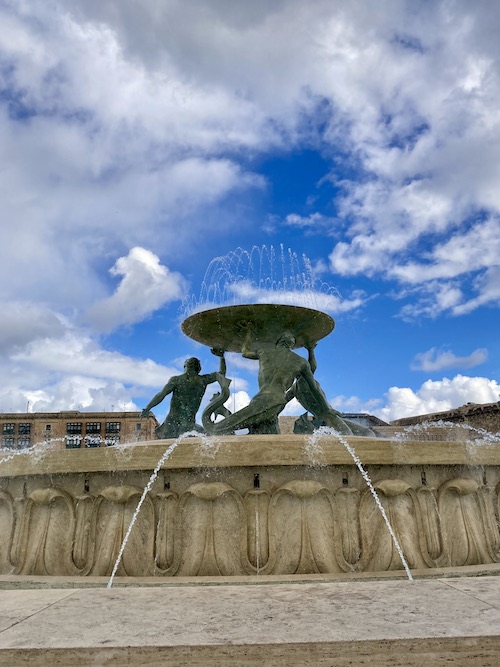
x=221 y=410
x=268 y=332
x=279 y=366
x=187 y=392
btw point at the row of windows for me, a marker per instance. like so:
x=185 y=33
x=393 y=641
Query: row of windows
x=75 y=441
x=75 y=429
x=93 y=427
x=9 y=442
x=23 y=429
x=71 y=427
x=90 y=427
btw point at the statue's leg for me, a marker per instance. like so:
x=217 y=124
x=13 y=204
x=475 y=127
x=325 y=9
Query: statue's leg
x=256 y=413
x=269 y=427
x=167 y=430
x=303 y=425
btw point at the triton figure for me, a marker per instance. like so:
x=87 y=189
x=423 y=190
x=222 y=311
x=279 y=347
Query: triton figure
x=187 y=392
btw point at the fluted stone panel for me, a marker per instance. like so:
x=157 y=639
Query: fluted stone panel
x=223 y=520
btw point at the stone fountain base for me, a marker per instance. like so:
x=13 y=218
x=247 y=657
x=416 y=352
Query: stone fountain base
x=247 y=506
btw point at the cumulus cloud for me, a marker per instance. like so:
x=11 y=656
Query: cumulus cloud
x=79 y=354
x=437 y=360
x=438 y=396
x=428 y=154
x=103 y=152
x=145 y=286
x=25 y=321
x=238 y=400
x=70 y=370
x=293 y=408
x=73 y=393
x=431 y=396
x=112 y=108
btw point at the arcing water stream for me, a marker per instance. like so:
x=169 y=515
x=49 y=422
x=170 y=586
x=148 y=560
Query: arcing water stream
x=166 y=454
x=325 y=430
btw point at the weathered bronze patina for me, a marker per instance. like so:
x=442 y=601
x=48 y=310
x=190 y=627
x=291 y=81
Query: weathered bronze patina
x=222 y=327
x=187 y=392
x=267 y=333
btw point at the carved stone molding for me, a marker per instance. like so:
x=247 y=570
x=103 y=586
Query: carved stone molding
x=217 y=528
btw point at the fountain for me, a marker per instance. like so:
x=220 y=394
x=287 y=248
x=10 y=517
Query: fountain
x=227 y=505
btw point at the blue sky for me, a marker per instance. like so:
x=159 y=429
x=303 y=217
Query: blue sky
x=142 y=140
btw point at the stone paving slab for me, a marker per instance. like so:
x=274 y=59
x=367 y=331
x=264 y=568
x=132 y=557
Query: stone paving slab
x=391 y=622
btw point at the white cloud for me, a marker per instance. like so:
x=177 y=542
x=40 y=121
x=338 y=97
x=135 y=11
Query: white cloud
x=293 y=408
x=431 y=396
x=234 y=360
x=433 y=298
x=477 y=248
x=355 y=404
x=436 y=360
x=102 y=153
x=488 y=288
x=70 y=370
x=237 y=401
x=145 y=286
x=438 y=396
x=25 y=321
x=429 y=151
x=74 y=393
x=117 y=126
x=78 y=354
x=312 y=221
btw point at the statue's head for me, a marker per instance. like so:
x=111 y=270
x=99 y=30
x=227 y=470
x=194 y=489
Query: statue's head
x=192 y=365
x=287 y=339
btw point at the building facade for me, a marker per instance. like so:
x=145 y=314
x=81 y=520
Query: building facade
x=74 y=429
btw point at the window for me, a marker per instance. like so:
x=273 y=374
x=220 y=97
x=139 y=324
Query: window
x=113 y=427
x=8 y=441
x=24 y=429
x=92 y=441
x=112 y=440
x=74 y=427
x=138 y=427
x=48 y=428
x=93 y=427
x=73 y=442
x=24 y=442
x=9 y=428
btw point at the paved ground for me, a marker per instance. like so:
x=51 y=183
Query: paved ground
x=318 y=622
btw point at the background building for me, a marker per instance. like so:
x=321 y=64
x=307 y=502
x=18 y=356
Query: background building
x=74 y=429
